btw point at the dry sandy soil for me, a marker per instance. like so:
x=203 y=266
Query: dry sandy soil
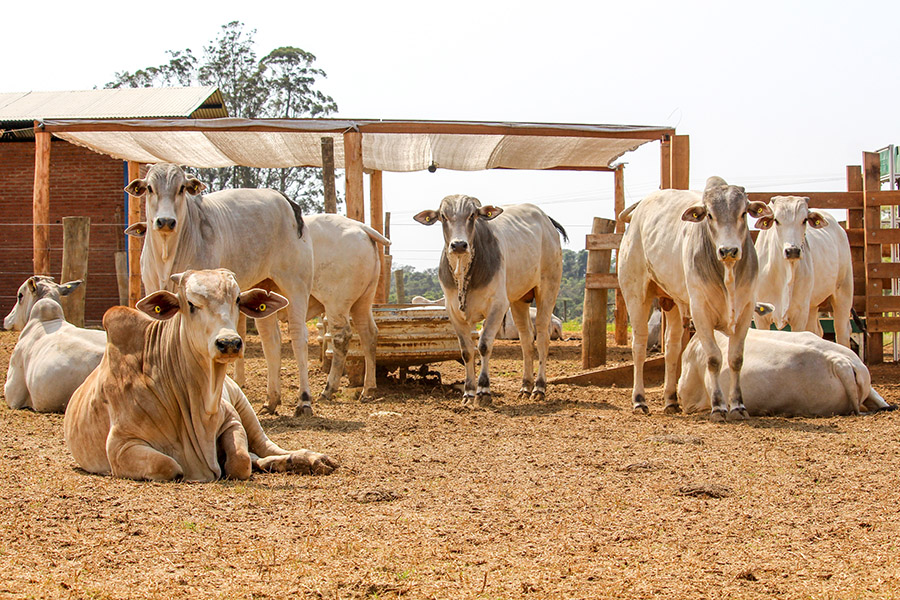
x=572 y=498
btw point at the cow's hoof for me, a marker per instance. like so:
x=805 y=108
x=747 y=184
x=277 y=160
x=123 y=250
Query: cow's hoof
x=367 y=395
x=326 y=395
x=738 y=414
x=484 y=399
x=315 y=463
x=468 y=401
x=640 y=409
x=268 y=410
x=524 y=394
x=717 y=416
x=672 y=409
x=303 y=410
x=538 y=396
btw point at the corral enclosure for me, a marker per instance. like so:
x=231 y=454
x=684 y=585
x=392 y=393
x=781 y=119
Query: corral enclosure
x=572 y=498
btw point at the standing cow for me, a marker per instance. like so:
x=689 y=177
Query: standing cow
x=497 y=258
x=160 y=407
x=804 y=260
x=694 y=252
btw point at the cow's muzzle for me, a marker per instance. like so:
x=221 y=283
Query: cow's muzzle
x=729 y=253
x=230 y=346
x=791 y=252
x=459 y=246
x=165 y=224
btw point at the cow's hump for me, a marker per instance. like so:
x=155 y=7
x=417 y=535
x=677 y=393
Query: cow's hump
x=125 y=328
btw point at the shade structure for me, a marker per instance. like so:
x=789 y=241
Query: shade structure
x=398 y=146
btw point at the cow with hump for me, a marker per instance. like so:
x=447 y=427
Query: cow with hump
x=323 y=264
x=160 y=407
x=694 y=252
x=804 y=260
x=496 y=258
x=52 y=357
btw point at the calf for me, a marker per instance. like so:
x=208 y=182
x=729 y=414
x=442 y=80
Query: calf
x=804 y=260
x=694 y=252
x=497 y=258
x=508 y=329
x=786 y=373
x=160 y=407
x=52 y=357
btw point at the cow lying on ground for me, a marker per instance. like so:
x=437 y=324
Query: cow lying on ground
x=786 y=373
x=508 y=329
x=804 y=260
x=52 y=357
x=160 y=406
x=493 y=259
x=694 y=252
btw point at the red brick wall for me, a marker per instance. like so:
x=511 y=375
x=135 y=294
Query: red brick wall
x=82 y=183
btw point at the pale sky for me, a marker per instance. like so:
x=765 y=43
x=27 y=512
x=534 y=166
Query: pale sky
x=776 y=96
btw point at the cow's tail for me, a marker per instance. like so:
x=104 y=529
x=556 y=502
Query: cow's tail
x=377 y=237
x=625 y=215
x=559 y=228
x=298 y=214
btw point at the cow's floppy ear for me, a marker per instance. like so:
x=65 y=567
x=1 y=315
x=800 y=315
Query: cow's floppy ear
x=816 y=220
x=161 y=305
x=489 y=212
x=694 y=214
x=427 y=217
x=138 y=187
x=194 y=186
x=758 y=209
x=259 y=303
x=764 y=308
x=137 y=230
x=765 y=223
x=67 y=288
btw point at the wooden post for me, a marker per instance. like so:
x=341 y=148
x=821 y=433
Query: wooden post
x=135 y=244
x=376 y=220
x=122 y=277
x=386 y=261
x=353 y=170
x=41 y=204
x=398 y=281
x=872 y=183
x=621 y=329
x=680 y=171
x=593 y=331
x=328 y=175
x=665 y=163
x=76 y=242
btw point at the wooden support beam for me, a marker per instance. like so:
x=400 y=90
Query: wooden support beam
x=328 y=175
x=76 y=242
x=398 y=281
x=593 y=331
x=353 y=175
x=41 y=203
x=836 y=200
x=665 y=163
x=135 y=244
x=871 y=170
x=376 y=219
x=681 y=162
x=621 y=328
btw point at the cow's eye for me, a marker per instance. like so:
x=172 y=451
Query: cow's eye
x=192 y=307
x=150 y=188
x=709 y=216
x=181 y=191
x=776 y=221
x=805 y=221
x=21 y=295
x=238 y=301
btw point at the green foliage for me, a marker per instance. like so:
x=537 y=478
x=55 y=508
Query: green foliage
x=281 y=85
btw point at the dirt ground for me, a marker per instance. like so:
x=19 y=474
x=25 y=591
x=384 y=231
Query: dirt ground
x=572 y=498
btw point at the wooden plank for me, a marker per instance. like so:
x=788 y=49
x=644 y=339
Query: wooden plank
x=398 y=282
x=878 y=325
x=883 y=236
x=883 y=270
x=603 y=241
x=76 y=242
x=856 y=236
x=871 y=170
x=621 y=313
x=328 y=175
x=135 y=244
x=881 y=304
x=593 y=340
x=41 y=203
x=601 y=281
x=620 y=376
x=883 y=198
x=122 y=277
x=665 y=163
x=376 y=219
x=681 y=162
x=353 y=175
x=816 y=199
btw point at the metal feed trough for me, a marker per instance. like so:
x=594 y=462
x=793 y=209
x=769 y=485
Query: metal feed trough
x=408 y=335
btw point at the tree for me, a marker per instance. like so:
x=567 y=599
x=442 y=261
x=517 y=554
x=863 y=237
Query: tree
x=281 y=85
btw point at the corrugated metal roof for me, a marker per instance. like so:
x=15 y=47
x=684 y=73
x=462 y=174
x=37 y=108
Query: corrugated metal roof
x=19 y=110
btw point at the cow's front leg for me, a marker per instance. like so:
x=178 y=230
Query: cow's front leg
x=234 y=455
x=489 y=331
x=706 y=335
x=737 y=411
x=467 y=351
x=270 y=338
x=132 y=458
x=239 y=371
x=305 y=462
x=522 y=318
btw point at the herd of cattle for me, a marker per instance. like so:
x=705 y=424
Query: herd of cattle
x=149 y=398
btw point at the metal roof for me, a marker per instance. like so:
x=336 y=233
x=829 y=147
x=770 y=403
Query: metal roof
x=19 y=110
x=388 y=145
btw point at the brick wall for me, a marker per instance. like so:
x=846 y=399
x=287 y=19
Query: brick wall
x=82 y=183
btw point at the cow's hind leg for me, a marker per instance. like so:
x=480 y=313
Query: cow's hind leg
x=270 y=338
x=639 y=310
x=542 y=333
x=674 y=339
x=339 y=328
x=522 y=318
x=365 y=326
